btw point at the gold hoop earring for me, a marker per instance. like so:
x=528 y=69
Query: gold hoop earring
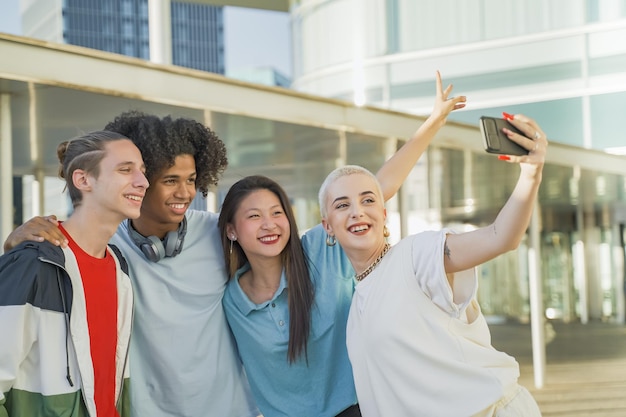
x=331 y=240
x=386 y=231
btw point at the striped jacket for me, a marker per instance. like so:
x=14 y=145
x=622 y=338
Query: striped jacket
x=45 y=360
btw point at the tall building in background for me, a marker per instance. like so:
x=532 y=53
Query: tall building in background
x=261 y=75
x=121 y=26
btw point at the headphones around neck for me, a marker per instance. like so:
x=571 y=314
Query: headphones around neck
x=156 y=249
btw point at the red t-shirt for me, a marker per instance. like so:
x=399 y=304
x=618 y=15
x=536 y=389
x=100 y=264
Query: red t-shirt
x=99 y=283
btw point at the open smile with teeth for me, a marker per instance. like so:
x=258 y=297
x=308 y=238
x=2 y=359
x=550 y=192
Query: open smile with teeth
x=359 y=228
x=178 y=206
x=135 y=197
x=269 y=239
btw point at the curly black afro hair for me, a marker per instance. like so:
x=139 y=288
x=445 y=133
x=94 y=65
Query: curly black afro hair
x=161 y=140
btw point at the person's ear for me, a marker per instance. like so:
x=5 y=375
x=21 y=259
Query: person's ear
x=327 y=227
x=81 y=180
x=230 y=232
x=385 y=213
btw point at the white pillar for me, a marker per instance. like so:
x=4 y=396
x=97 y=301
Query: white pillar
x=579 y=251
x=342 y=149
x=40 y=180
x=618 y=273
x=160 y=29
x=211 y=199
x=36 y=158
x=6 y=169
x=537 y=319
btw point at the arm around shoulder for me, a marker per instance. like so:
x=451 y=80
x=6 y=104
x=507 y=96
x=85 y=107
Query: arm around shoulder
x=36 y=229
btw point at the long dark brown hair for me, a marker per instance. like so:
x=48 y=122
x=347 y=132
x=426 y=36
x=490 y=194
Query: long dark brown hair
x=300 y=287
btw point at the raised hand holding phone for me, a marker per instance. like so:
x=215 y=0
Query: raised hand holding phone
x=495 y=140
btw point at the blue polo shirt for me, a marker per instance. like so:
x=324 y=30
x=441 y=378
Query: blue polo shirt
x=322 y=388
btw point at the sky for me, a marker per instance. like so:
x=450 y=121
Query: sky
x=10 y=17
x=257 y=38
x=252 y=38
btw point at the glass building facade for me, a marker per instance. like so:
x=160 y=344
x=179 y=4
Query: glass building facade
x=121 y=26
x=562 y=62
x=582 y=211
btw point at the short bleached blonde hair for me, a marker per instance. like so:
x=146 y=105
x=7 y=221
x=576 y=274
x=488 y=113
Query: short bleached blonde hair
x=342 y=172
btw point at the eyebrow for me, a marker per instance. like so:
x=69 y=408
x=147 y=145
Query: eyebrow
x=274 y=207
x=176 y=176
x=127 y=163
x=360 y=195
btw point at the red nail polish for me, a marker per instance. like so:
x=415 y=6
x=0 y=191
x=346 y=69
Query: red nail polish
x=504 y=157
x=507 y=116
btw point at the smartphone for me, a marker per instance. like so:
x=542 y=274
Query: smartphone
x=495 y=141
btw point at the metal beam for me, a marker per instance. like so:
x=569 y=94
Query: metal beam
x=111 y=74
x=537 y=317
x=276 y=5
x=6 y=169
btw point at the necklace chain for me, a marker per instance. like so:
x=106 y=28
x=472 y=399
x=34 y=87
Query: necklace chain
x=374 y=264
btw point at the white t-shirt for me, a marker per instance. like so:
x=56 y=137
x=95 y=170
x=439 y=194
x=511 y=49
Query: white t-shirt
x=413 y=350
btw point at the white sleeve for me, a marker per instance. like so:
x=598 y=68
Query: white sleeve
x=19 y=320
x=19 y=324
x=428 y=253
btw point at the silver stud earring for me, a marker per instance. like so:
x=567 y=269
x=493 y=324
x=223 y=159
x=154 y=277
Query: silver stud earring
x=232 y=239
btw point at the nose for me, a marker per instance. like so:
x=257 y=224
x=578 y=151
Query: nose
x=184 y=190
x=140 y=180
x=268 y=224
x=356 y=211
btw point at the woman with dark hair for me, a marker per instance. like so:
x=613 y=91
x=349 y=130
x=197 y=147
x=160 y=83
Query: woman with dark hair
x=240 y=211
x=288 y=299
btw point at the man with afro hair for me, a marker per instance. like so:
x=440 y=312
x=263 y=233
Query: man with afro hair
x=183 y=357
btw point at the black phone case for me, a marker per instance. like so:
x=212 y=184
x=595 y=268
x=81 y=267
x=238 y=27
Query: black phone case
x=495 y=141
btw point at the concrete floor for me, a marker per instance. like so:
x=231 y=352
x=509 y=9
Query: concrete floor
x=585 y=368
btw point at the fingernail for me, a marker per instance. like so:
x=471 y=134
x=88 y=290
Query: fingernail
x=504 y=157
x=507 y=116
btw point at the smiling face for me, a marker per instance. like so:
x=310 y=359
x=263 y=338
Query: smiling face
x=168 y=198
x=260 y=225
x=120 y=184
x=355 y=212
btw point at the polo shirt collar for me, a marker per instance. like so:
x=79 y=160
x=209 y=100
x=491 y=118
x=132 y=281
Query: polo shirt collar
x=241 y=300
